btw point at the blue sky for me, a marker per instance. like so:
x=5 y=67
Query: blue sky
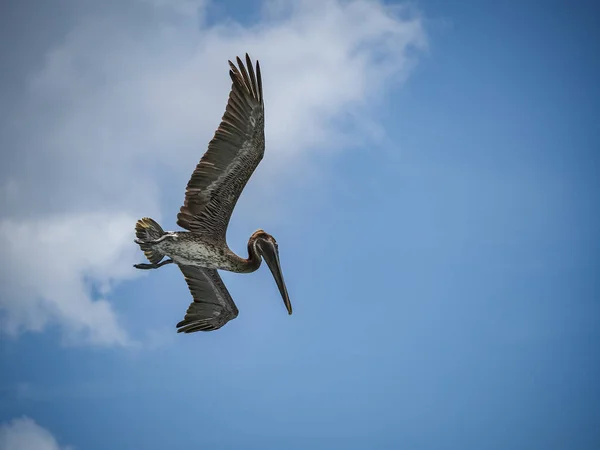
x=429 y=176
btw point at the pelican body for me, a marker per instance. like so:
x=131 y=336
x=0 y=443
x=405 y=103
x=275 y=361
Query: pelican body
x=211 y=194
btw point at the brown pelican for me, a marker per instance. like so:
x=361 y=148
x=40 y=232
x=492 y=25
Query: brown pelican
x=211 y=194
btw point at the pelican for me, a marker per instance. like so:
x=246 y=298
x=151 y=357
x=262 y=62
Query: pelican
x=211 y=194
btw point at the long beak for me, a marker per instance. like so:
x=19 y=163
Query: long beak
x=271 y=256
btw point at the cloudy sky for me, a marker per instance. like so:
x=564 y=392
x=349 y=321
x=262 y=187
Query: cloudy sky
x=429 y=176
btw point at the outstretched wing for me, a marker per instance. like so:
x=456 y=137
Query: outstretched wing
x=233 y=154
x=212 y=307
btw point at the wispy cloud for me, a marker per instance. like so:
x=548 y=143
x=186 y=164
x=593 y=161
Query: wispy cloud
x=125 y=106
x=24 y=434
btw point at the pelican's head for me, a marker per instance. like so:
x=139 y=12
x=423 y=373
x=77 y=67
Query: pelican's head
x=265 y=245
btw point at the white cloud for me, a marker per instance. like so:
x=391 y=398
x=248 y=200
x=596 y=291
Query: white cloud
x=50 y=260
x=124 y=107
x=24 y=434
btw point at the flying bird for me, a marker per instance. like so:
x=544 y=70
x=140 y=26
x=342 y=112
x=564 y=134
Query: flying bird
x=233 y=154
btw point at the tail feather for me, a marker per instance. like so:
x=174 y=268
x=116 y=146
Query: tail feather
x=146 y=229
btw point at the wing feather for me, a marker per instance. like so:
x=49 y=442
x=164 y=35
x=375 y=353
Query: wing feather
x=212 y=307
x=232 y=156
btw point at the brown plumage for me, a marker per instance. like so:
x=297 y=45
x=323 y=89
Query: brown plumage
x=233 y=154
x=211 y=194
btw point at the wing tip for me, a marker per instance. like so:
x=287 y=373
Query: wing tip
x=246 y=78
